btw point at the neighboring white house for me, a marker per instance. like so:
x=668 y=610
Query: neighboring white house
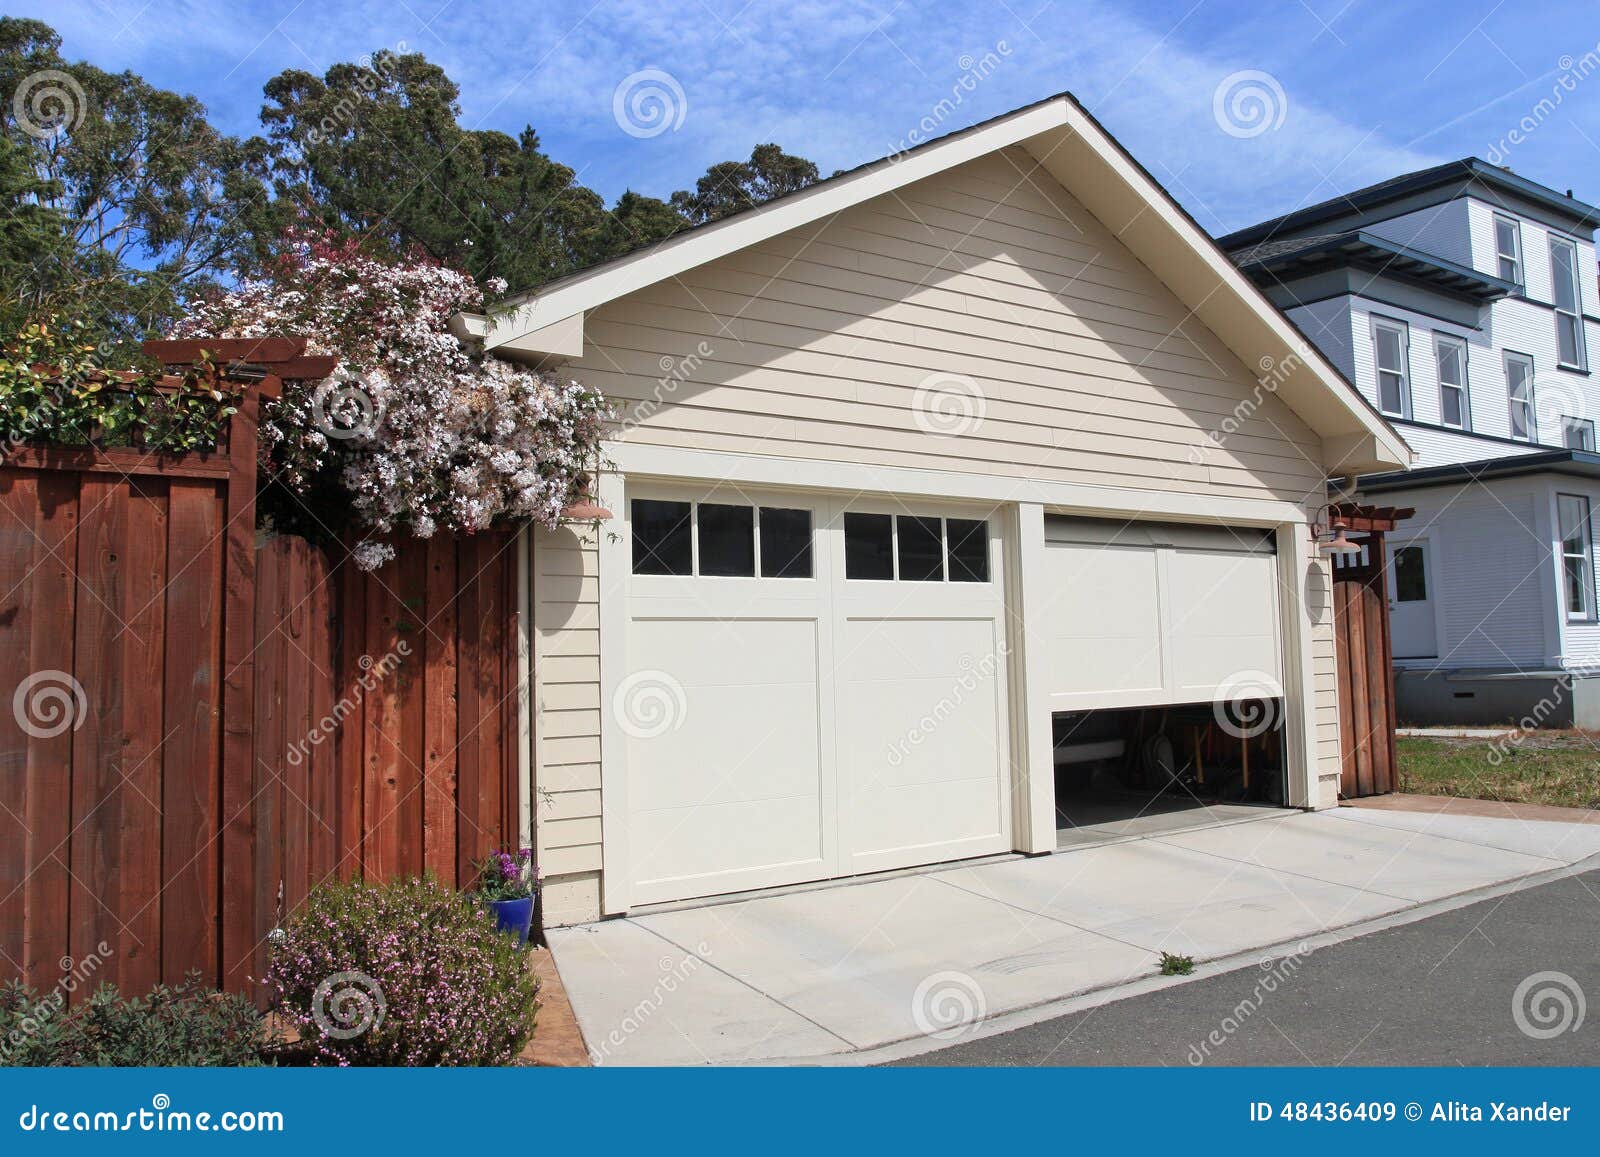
x=1462 y=301
x=906 y=464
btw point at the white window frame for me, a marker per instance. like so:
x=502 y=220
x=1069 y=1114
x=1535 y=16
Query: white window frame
x=1403 y=331
x=1525 y=404
x=1585 y=613
x=1564 y=255
x=1515 y=256
x=1583 y=427
x=1441 y=342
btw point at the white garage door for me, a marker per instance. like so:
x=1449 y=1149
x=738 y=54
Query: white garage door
x=1143 y=614
x=814 y=688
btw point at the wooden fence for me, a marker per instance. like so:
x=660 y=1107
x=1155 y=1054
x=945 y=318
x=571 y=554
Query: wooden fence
x=196 y=728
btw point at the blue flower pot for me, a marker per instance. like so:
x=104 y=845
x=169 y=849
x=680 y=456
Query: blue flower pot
x=514 y=917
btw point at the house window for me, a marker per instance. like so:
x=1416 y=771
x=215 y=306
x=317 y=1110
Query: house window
x=1568 y=302
x=1577 y=433
x=1410 y=575
x=1389 y=340
x=1577 y=559
x=1451 y=354
x=1519 y=392
x=719 y=539
x=1508 y=248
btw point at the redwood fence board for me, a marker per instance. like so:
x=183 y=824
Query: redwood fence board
x=234 y=750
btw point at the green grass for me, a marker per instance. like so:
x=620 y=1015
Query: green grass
x=1557 y=768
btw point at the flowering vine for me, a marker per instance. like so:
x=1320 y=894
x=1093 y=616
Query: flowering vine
x=414 y=431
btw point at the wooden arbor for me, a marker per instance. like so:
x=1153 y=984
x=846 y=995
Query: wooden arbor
x=1365 y=662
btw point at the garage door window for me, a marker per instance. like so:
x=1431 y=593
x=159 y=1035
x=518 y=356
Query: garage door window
x=913 y=548
x=720 y=539
x=663 y=542
x=727 y=540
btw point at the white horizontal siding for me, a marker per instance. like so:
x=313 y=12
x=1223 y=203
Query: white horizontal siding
x=1438 y=229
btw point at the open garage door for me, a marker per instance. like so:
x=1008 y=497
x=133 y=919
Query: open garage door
x=1146 y=614
x=812 y=689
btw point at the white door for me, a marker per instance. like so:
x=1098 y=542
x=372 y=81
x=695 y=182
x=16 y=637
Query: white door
x=806 y=696
x=1413 y=625
x=1144 y=614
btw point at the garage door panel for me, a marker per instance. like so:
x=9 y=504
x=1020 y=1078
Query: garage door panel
x=1148 y=614
x=1104 y=640
x=699 y=851
x=920 y=740
x=1223 y=621
x=726 y=765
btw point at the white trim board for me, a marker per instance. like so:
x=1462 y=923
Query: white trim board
x=677 y=464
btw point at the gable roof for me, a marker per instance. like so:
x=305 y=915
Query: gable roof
x=1470 y=173
x=1064 y=139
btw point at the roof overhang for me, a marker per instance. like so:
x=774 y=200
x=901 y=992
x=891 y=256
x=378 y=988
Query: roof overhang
x=1376 y=254
x=1072 y=146
x=1576 y=463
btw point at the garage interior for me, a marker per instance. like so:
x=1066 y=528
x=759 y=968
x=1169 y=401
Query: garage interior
x=1137 y=771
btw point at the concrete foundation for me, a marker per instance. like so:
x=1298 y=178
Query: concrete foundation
x=1530 y=699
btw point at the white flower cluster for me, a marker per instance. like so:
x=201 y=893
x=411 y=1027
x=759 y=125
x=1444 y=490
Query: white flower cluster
x=415 y=430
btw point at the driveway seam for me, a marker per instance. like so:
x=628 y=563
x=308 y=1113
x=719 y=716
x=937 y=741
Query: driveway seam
x=1353 y=818
x=715 y=967
x=1305 y=876
x=1047 y=916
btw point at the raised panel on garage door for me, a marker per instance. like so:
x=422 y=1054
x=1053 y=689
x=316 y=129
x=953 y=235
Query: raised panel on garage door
x=1105 y=640
x=1223 y=614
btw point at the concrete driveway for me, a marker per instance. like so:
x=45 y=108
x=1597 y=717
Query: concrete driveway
x=835 y=969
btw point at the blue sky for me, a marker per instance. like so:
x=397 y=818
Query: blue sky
x=1353 y=90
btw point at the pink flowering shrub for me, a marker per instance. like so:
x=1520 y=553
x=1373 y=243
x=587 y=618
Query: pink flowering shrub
x=407 y=973
x=413 y=431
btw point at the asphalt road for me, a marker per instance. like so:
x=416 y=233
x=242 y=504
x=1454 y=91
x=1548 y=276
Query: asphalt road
x=1439 y=991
